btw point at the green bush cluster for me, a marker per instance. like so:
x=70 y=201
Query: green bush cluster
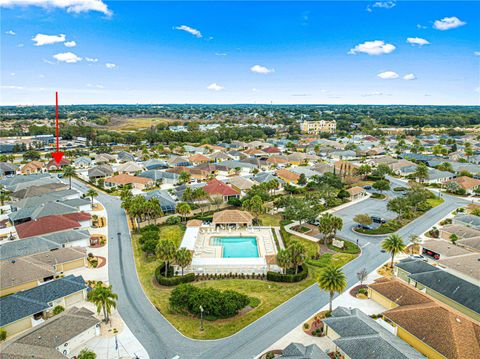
x=385 y=228
x=173 y=220
x=171 y=280
x=289 y=277
x=215 y=303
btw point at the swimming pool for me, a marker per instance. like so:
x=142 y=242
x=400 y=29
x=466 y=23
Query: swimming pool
x=237 y=247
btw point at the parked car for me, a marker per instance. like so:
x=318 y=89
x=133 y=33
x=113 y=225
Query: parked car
x=418 y=256
x=376 y=219
x=363 y=226
x=367 y=187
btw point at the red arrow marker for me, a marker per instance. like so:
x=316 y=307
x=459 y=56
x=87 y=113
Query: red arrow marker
x=57 y=155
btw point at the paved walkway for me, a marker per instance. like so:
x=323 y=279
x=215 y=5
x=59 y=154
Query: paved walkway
x=162 y=340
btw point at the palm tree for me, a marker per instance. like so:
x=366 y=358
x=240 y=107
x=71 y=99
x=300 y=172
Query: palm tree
x=297 y=253
x=329 y=225
x=92 y=194
x=332 y=280
x=183 y=258
x=69 y=172
x=393 y=244
x=184 y=177
x=184 y=210
x=166 y=250
x=283 y=259
x=104 y=299
x=154 y=209
x=4 y=195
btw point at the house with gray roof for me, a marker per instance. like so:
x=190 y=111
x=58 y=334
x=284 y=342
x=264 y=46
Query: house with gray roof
x=166 y=201
x=300 y=351
x=100 y=171
x=45 y=209
x=22 y=310
x=7 y=169
x=124 y=156
x=264 y=177
x=408 y=266
x=468 y=220
x=55 y=338
x=33 y=191
x=82 y=162
x=45 y=198
x=155 y=164
x=358 y=336
x=437 y=176
x=160 y=176
x=12 y=181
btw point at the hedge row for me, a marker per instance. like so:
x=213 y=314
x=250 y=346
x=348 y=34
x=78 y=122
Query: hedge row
x=287 y=278
x=172 y=280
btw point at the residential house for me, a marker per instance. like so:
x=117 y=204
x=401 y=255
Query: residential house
x=155 y=164
x=130 y=168
x=123 y=179
x=300 y=351
x=344 y=168
x=160 y=177
x=55 y=338
x=357 y=336
x=124 y=156
x=176 y=161
x=468 y=220
x=32 y=167
x=287 y=176
x=35 y=212
x=100 y=171
x=221 y=156
x=218 y=188
x=441 y=285
x=198 y=158
x=103 y=158
x=44 y=243
x=22 y=310
x=7 y=169
x=465 y=266
x=167 y=203
x=34 y=191
x=28 y=272
x=433 y=329
x=435 y=249
x=82 y=162
x=52 y=224
x=53 y=165
x=240 y=184
x=437 y=176
x=357 y=193
x=343 y=155
x=277 y=161
x=461 y=231
x=470 y=185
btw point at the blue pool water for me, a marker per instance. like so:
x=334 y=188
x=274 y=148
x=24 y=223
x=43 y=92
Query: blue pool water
x=237 y=247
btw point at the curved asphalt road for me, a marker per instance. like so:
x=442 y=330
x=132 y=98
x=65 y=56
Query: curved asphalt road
x=162 y=340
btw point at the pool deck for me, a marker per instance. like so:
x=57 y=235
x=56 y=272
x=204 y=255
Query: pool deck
x=209 y=259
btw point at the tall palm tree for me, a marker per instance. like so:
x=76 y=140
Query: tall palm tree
x=332 y=280
x=183 y=258
x=4 y=195
x=184 y=209
x=283 y=259
x=92 y=194
x=329 y=225
x=166 y=250
x=69 y=172
x=104 y=299
x=153 y=208
x=393 y=244
x=297 y=254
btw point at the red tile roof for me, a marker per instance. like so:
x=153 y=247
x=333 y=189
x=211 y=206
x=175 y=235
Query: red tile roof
x=271 y=150
x=45 y=225
x=216 y=187
x=63 y=162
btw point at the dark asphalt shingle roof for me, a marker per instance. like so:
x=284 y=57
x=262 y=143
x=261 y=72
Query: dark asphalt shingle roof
x=450 y=286
x=31 y=301
x=300 y=351
x=414 y=266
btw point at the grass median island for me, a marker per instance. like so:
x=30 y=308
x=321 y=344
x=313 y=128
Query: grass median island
x=264 y=295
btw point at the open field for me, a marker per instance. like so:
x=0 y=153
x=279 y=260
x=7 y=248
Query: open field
x=133 y=124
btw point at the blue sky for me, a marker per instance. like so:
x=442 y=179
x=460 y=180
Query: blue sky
x=95 y=51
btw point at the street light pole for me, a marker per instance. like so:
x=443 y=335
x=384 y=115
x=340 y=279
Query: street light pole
x=201 y=318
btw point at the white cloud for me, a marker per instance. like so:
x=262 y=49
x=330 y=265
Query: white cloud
x=215 y=87
x=41 y=39
x=410 y=77
x=91 y=59
x=12 y=87
x=97 y=86
x=420 y=26
x=68 y=57
x=190 y=30
x=417 y=41
x=109 y=65
x=376 y=47
x=70 y=43
x=75 y=6
x=12 y=73
x=221 y=54
x=476 y=53
x=448 y=23
x=259 y=69
x=381 y=5
x=375 y=93
x=388 y=75
x=10 y=32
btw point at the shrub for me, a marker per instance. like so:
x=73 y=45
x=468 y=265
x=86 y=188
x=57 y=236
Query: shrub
x=173 y=220
x=363 y=291
x=149 y=236
x=216 y=303
x=57 y=310
x=171 y=279
x=306 y=326
x=288 y=278
x=3 y=334
x=233 y=201
x=400 y=189
x=150 y=228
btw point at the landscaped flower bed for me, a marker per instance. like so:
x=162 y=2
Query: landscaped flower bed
x=359 y=291
x=314 y=326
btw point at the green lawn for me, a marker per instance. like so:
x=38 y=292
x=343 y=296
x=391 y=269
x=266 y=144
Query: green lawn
x=434 y=202
x=272 y=220
x=270 y=294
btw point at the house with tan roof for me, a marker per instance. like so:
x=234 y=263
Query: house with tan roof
x=288 y=176
x=32 y=167
x=279 y=161
x=460 y=231
x=356 y=193
x=432 y=328
x=198 y=158
x=469 y=184
x=239 y=183
x=232 y=217
x=120 y=180
x=131 y=168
